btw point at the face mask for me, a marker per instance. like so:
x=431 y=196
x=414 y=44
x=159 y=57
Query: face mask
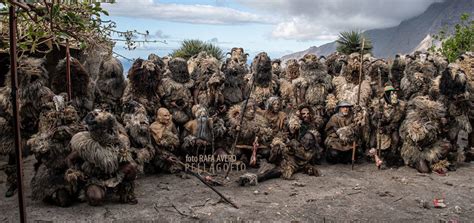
x=393 y=98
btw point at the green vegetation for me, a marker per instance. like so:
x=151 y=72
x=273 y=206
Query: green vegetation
x=351 y=42
x=462 y=40
x=44 y=25
x=193 y=47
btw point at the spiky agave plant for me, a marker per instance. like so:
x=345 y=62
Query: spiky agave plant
x=193 y=47
x=351 y=42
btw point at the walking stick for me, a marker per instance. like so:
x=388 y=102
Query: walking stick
x=241 y=118
x=68 y=71
x=379 y=132
x=358 y=97
x=16 y=107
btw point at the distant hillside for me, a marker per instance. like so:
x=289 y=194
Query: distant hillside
x=410 y=35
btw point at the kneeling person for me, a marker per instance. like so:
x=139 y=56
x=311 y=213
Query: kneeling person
x=293 y=157
x=340 y=134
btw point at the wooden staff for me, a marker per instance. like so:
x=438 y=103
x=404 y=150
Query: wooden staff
x=358 y=97
x=16 y=115
x=68 y=71
x=241 y=118
x=194 y=173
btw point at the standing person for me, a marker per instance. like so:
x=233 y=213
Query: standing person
x=387 y=115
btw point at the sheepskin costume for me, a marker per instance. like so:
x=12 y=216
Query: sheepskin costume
x=275 y=116
x=277 y=70
x=7 y=138
x=336 y=62
x=234 y=83
x=288 y=92
x=422 y=132
x=439 y=61
x=158 y=61
x=396 y=70
x=418 y=78
x=198 y=128
x=56 y=128
x=50 y=147
x=453 y=89
x=33 y=93
x=388 y=117
x=209 y=80
x=238 y=55
x=313 y=81
x=34 y=97
x=299 y=155
x=253 y=124
x=137 y=126
x=466 y=62
x=378 y=71
x=103 y=148
x=264 y=86
x=144 y=79
x=201 y=132
x=346 y=86
x=110 y=85
x=6 y=130
x=136 y=123
x=82 y=85
x=175 y=91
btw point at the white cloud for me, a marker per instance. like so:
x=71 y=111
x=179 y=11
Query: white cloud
x=200 y=14
x=159 y=34
x=301 y=20
x=324 y=19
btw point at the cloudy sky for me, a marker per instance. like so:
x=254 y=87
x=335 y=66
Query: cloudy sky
x=278 y=27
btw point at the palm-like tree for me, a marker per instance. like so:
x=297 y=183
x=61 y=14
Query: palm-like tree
x=351 y=42
x=193 y=47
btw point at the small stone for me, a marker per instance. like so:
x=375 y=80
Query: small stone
x=404 y=180
x=256 y=192
x=299 y=184
x=457 y=209
x=423 y=204
x=449 y=183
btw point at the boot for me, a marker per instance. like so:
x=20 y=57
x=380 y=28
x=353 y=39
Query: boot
x=422 y=166
x=11 y=190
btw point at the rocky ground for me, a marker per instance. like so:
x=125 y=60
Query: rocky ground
x=365 y=194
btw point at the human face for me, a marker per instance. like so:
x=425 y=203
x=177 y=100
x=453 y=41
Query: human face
x=305 y=114
x=250 y=113
x=164 y=116
x=276 y=106
x=393 y=97
x=308 y=141
x=344 y=111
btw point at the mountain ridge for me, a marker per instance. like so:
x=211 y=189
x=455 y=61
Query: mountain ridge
x=410 y=35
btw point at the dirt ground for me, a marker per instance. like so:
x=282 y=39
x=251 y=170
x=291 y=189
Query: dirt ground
x=363 y=195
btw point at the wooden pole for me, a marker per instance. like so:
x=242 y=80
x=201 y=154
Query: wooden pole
x=68 y=71
x=16 y=116
x=358 y=97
